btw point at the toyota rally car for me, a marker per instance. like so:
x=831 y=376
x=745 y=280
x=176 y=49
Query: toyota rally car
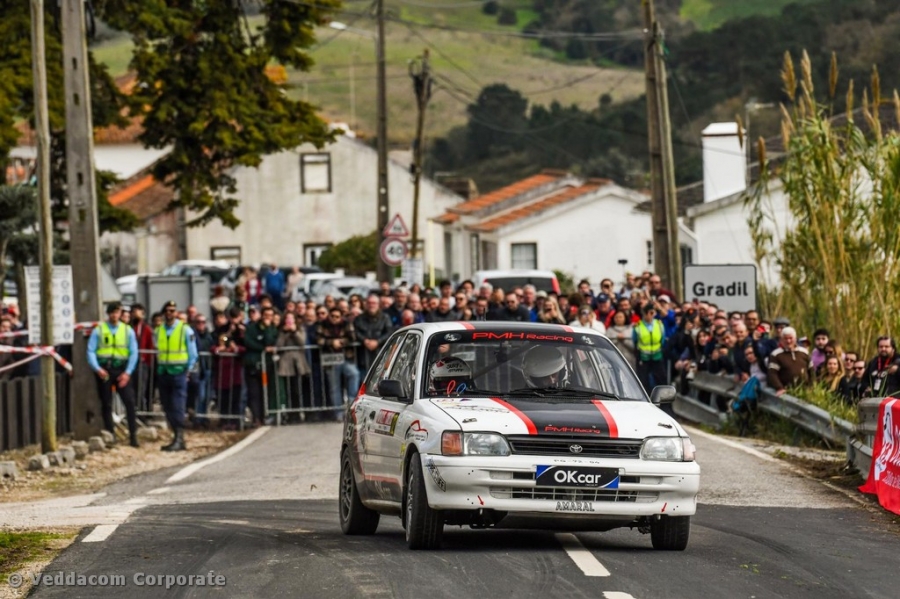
x=529 y=424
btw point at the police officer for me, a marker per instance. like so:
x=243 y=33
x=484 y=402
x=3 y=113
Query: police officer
x=112 y=354
x=177 y=354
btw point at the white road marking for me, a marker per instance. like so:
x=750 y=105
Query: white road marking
x=583 y=558
x=192 y=468
x=159 y=491
x=100 y=533
x=617 y=595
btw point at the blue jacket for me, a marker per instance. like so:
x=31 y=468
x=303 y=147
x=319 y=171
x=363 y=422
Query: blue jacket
x=274 y=282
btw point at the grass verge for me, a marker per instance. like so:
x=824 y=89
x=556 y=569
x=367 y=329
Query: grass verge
x=18 y=549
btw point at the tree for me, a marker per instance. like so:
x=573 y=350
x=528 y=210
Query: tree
x=496 y=121
x=17 y=104
x=18 y=217
x=357 y=255
x=203 y=90
x=507 y=16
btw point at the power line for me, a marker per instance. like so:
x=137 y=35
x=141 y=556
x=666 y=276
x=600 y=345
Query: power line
x=466 y=4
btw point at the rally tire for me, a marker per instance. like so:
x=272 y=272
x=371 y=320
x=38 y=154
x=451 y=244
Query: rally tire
x=670 y=533
x=424 y=526
x=356 y=519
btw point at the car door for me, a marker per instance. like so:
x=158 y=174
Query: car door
x=363 y=411
x=384 y=443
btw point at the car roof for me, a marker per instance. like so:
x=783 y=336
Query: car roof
x=523 y=272
x=499 y=326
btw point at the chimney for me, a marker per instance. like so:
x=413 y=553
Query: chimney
x=724 y=162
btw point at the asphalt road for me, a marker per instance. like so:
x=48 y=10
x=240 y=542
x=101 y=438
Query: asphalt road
x=265 y=518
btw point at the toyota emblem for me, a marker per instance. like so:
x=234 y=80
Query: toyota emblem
x=576 y=448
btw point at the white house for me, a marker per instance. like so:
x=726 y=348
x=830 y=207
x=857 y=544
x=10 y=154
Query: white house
x=720 y=223
x=293 y=207
x=298 y=203
x=552 y=220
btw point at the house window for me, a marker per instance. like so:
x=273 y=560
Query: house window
x=448 y=253
x=687 y=255
x=230 y=254
x=524 y=255
x=474 y=253
x=488 y=255
x=650 y=254
x=311 y=253
x=315 y=172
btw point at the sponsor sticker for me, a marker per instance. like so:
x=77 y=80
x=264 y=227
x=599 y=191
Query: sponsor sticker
x=385 y=422
x=577 y=476
x=574 y=506
x=436 y=475
x=416 y=432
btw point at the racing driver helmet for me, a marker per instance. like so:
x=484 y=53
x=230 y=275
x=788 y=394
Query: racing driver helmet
x=449 y=375
x=545 y=367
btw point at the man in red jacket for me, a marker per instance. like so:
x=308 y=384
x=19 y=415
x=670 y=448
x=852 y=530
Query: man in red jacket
x=144 y=333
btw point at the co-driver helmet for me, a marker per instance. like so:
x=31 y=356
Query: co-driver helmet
x=449 y=375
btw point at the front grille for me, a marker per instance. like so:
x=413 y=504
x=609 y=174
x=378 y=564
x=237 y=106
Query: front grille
x=560 y=494
x=590 y=447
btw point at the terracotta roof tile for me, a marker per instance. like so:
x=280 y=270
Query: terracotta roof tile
x=131 y=189
x=537 y=207
x=505 y=193
x=142 y=195
x=446 y=219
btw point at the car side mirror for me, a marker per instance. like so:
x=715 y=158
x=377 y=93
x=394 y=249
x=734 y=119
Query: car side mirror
x=392 y=388
x=662 y=394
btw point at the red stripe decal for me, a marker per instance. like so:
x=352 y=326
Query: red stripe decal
x=467 y=325
x=532 y=429
x=568 y=329
x=610 y=421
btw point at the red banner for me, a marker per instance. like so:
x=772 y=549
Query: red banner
x=884 y=475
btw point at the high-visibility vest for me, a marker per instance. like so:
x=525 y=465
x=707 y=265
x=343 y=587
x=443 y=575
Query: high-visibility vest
x=173 y=349
x=650 y=340
x=113 y=346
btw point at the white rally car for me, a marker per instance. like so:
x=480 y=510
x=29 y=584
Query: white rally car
x=530 y=424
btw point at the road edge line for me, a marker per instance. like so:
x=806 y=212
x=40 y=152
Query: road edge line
x=786 y=465
x=196 y=466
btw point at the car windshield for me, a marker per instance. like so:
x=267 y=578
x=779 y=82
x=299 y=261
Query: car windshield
x=530 y=364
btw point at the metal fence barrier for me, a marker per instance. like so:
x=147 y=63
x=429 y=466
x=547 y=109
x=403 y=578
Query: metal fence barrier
x=710 y=392
x=290 y=385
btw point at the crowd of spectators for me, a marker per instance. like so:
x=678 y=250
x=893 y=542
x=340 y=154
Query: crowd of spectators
x=305 y=356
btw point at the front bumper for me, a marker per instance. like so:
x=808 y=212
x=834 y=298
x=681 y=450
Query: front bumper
x=507 y=484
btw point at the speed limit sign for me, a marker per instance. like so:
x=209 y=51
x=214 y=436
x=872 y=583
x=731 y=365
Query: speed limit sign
x=393 y=251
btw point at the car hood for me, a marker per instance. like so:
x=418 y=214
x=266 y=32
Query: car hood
x=582 y=417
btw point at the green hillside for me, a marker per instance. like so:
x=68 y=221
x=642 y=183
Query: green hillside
x=463 y=57
x=709 y=14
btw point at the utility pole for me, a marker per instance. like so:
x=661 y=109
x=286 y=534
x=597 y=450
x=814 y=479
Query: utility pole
x=422 y=83
x=666 y=250
x=384 y=272
x=82 y=196
x=42 y=131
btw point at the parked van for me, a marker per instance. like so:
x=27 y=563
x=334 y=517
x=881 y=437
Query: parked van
x=543 y=280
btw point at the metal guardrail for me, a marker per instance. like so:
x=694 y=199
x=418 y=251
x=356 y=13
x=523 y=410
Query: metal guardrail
x=858 y=438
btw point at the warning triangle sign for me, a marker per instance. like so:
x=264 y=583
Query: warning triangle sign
x=396 y=228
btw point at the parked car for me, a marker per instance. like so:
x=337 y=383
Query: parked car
x=526 y=424
x=228 y=282
x=127 y=286
x=343 y=288
x=543 y=280
x=214 y=269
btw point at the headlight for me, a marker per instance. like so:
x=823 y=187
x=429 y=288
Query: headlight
x=459 y=443
x=668 y=449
